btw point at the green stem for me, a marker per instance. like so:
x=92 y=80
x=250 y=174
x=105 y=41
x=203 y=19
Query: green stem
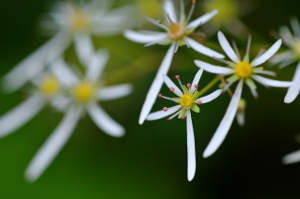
x=208 y=86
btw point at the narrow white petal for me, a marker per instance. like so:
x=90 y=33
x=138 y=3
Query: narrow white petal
x=97 y=65
x=266 y=72
x=211 y=96
x=144 y=38
x=226 y=122
x=267 y=55
x=270 y=82
x=295 y=26
x=203 y=49
x=191 y=151
x=53 y=145
x=196 y=79
x=84 y=48
x=161 y=114
x=201 y=20
x=30 y=66
x=171 y=84
x=21 y=114
x=227 y=48
x=293 y=91
x=170 y=10
x=114 y=92
x=286 y=35
x=104 y=121
x=214 y=69
x=156 y=84
x=63 y=73
x=291 y=157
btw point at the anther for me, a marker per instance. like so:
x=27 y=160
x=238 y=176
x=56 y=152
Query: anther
x=199 y=102
x=172 y=89
x=177 y=77
x=194 y=1
x=189 y=85
x=165 y=109
x=168 y=119
x=183 y=117
x=196 y=86
x=160 y=95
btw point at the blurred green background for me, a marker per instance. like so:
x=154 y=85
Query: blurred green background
x=150 y=161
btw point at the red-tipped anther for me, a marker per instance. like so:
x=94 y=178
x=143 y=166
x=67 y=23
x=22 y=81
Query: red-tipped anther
x=172 y=89
x=194 y=1
x=196 y=86
x=183 y=117
x=165 y=109
x=160 y=95
x=168 y=119
x=177 y=77
x=189 y=85
x=199 y=102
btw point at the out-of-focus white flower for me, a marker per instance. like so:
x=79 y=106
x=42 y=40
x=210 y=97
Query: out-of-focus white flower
x=284 y=59
x=240 y=114
x=177 y=33
x=83 y=96
x=188 y=100
x=70 y=21
x=243 y=71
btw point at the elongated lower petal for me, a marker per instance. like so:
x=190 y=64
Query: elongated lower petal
x=291 y=158
x=226 y=122
x=267 y=55
x=293 y=91
x=97 y=65
x=191 y=151
x=270 y=82
x=21 y=114
x=156 y=84
x=171 y=84
x=201 y=20
x=104 y=121
x=144 y=38
x=211 y=96
x=227 y=48
x=213 y=69
x=203 y=49
x=84 y=48
x=114 y=92
x=53 y=145
x=161 y=114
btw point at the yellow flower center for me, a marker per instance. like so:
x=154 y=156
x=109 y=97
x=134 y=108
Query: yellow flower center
x=176 y=31
x=49 y=86
x=243 y=70
x=186 y=101
x=80 y=21
x=84 y=91
x=297 y=49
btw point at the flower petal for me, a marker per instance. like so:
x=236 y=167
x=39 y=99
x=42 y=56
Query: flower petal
x=144 y=38
x=196 y=79
x=201 y=20
x=291 y=157
x=191 y=152
x=53 y=145
x=104 y=121
x=213 y=69
x=203 y=49
x=227 y=48
x=171 y=84
x=226 y=122
x=114 y=92
x=293 y=91
x=157 y=84
x=270 y=82
x=84 y=48
x=170 y=10
x=63 y=73
x=267 y=55
x=21 y=114
x=280 y=57
x=97 y=65
x=161 y=114
x=211 y=96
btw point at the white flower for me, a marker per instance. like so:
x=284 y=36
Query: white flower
x=188 y=100
x=284 y=59
x=69 y=21
x=177 y=33
x=241 y=71
x=83 y=96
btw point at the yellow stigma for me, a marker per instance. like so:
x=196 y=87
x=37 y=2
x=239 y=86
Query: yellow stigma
x=49 y=86
x=186 y=101
x=80 y=21
x=84 y=91
x=243 y=70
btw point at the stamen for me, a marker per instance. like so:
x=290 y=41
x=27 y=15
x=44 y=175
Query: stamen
x=191 y=12
x=178 y=78
x=174 y=115
x=189 y=85
x=164 y=97
x=196 y=86
x=236 y=49
x=160 y=95
x=170 y=20
x=165 y=109
x=172 y=89
x=199 y=102
x=183 y=117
